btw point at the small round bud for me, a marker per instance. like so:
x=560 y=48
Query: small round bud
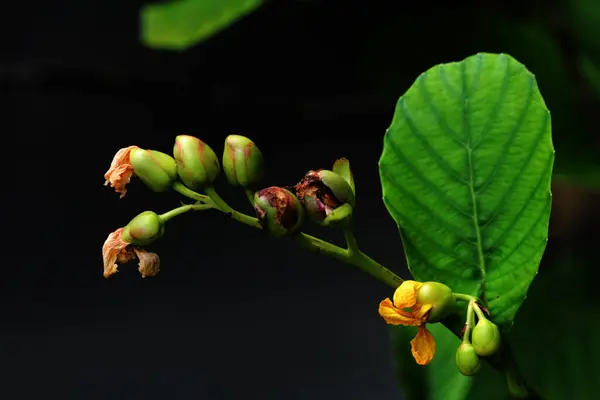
x=440 y=297
x=155 y=169
x=144 y=229
x=467 y=360
x=278 y=210
x=243 y=162
x=323 y=191
x=197 y=163
x=486 y=337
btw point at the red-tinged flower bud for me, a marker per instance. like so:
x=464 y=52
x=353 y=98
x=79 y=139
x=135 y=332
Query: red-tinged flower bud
x=242 y=162
x=278 y=210
x=155 y=169
x=197 y=163
x=144 y=229
x=322 y=191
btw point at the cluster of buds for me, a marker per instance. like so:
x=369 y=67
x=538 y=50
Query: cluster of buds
x=324 y=196
x=193 y=165
x=481 y=340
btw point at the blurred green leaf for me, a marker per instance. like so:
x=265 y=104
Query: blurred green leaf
x=584 y=21
x=591 y=72
x=465 y=172
x=440 y=380
x=180 y=24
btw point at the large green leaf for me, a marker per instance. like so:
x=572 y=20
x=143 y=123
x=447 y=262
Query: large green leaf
x=440 y=380
x=466 y=170
x=179 y=24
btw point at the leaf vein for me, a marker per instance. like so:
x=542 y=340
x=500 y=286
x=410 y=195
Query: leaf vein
x=434 y=216
x=407 y=222
x=494 y=114
x=419 y=175
x=498 y=243
x=512 y=137
x=433 y=108
x=519 y=175
x=442 y=163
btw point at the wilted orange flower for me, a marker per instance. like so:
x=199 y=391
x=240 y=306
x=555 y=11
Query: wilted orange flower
x=120 y=172
x=405 y=310
x=116 y=250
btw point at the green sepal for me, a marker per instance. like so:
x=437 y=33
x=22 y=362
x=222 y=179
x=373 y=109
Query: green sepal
x=341 y=167
x=144 y=229
x=486 y=337
x=155 y=169
x=467 y=359
x=440 y=297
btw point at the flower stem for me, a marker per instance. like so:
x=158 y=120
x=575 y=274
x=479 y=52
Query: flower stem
x=185 y=191
x=354 y=256
x=183 y=209
x=351 y=241
x=226 y=208
x=465 y=297
x=250 y=195
x=470 y=322
x=478 y=311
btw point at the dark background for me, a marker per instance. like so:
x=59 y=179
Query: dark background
x=232 y=314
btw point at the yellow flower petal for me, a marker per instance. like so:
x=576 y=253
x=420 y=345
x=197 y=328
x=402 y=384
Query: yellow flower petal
x=423 y=346
x=406 y=294
x=395 y=316
x=420 y=312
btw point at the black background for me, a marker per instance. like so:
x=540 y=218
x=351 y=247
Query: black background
x=232 y=314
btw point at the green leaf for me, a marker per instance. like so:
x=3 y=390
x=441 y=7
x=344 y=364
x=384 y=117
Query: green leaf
x=440 y=380
x=466 y=170
x=180 y=24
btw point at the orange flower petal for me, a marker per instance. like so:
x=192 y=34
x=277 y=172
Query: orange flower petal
x=115 y=250
x=395 y=316
x=421 y=312
x=149 y=264
x=406 y=294
x=423 y=346
x=120 y=172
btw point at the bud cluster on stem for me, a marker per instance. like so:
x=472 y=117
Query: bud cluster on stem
x=325 y=197
x=481 y=339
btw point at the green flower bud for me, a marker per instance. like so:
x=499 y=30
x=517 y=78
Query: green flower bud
x=144 y=229
x=440 y=297
x=486 y=337
x=467 y=360
x=323 y=191
x=342 y=168
x=243 y=162
x=155 y=169
x=197 y=163
x=278 y=210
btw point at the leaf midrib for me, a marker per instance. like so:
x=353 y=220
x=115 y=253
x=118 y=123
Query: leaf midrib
x=471 y=181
